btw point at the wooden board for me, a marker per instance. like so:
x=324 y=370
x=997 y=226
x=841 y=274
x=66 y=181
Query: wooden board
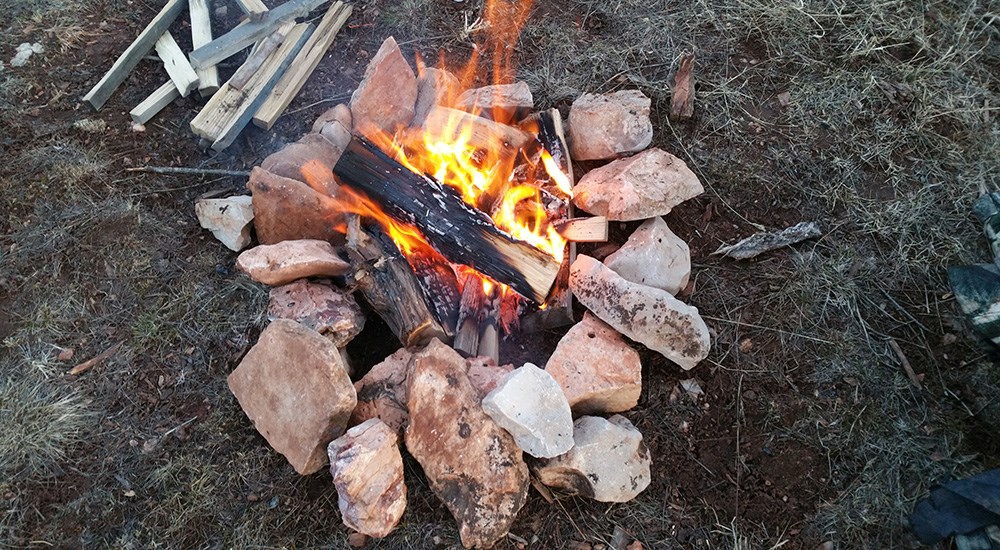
x=303 y=66
x=255 y=9
x=201 y=34
x=260 y=52
x=176 y=63
x=99 y=94
x=155 y=103
x=481 y=132
x=583 y=230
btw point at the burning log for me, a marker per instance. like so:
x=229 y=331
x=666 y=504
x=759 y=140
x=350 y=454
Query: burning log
x=483 y=133
x=467 y=337
x=583 y=230
x=458 y=231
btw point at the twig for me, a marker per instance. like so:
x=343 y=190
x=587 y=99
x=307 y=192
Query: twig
x=761 y=327
x=905 y=362
x=94 y=361
x=188 y=171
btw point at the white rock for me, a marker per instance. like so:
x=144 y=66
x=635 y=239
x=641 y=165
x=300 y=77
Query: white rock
x=24 y=52
x=281 y=263
x=228 y=219
x=608 y=462
x=531 y=405
x=653 y=256
x=608 y=125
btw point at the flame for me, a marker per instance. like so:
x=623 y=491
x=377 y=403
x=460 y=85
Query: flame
x=552 y=169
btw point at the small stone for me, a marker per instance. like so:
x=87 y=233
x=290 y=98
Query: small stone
x=228 y=219
x=319 y=306
x=645 y=314
x=286 y=209
x=501 y=102
x=340 y=113
x=471 y=463
x=597 y=370
x=282 y=263
x=367 y=470
x=66 y=354
x=609 y=125
x=294 y=388
x=531 y=406
x=386 y=97
x=382 y=392
x=486 y=374
x=608 y=462
x=309 y=160
x=337 y=134
x=138 y=128
x=649 y=184
x=24 y=52
x=653 y=256
x=358 y=540
x=434 y=87
x=91 y=125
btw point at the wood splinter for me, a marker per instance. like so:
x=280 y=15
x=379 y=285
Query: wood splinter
x=583 y=230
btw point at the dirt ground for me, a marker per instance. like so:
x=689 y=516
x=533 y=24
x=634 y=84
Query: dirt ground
x=876 y=119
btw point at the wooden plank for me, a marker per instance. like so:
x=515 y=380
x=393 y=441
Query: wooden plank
x=303 y=66
x=201 y=34
x=99 y=94
x=261 y=51
x=245 y=35
x=483 y=133
x=255 y=9
x=583 y=230
x=155 y=102
x=176 y=63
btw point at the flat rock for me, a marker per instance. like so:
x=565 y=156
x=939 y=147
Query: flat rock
x=649 y=184
x=367 y=471
x=434 y=87
x=382 y=392
x=597 y=370
x=320 y=306
x=532 y=407
x=340 y=113
x=605 y=126
x=281 y=263
x=485 y=374
x=286 y=209
x=228 y=219
x=337 y=134
x=653 y=256
x=309 y=160
x=471 y=463
x=608 y=462
x=293 y=387
x=386 y=97
x=645 y=314
x=501 y=102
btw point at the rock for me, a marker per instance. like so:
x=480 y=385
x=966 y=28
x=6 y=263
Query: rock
x=293 y=387
x=485 y=374
x=609 y=125
x=382 y=392
x=434 y=87
x=473 y=465
x=367 y=470
x=386 y=97
x=530 y=405
x=319 y=306
x=597 y=370
x=337 y=134
x=653 y=256
x=282 y=263
x=228 y=219
x=285 y=209
x=24 y=52
x=501 y=102
x=645 y=314
x=649 y=184
x=608 y=462
x=91 y=125
x=309 y=160
x=340 y=113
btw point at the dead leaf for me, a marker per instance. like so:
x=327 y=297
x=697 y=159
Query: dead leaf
x=746 y=345
x=692 y=387
x=682 y=101
x=65 y=355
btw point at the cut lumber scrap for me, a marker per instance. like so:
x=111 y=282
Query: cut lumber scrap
x=303 y=66
x=99 y=94
x=260 y=53
x=255 y=9
x=458 y=231
x=451 y=124
x=583 y=230
x=245 y=35
x=155 y=102
x=176 y=63
x=201 y=34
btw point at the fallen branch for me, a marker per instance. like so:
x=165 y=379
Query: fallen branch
x=180 y=170
x=94 y=361
x=760 y=243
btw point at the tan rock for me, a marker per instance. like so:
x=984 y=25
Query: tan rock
x=285 y=209
x=382 y=392
x=645 y=314
x=597 y=370
x=473 y=465
x=367 y=470
x=501 y=102
x=320 y=306
x=340 y=113
x=485 y=374
x=386 y=97
x=605 y=126
x=649 y=184
x=295 y=390
x=228 y=219
x=337 y=134
x=653 y=256
x=309 y=160
x=282 y=263
x=434 y=87
x=531 y=406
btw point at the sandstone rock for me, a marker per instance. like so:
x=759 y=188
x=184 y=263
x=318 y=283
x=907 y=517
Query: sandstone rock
x=649 y=184
x=531 y=406
x=382 y=392
x=609 y=125
x=367 y=470
x=608 y=461
x=653 y=256
x=434 y=87
x=309 y=160
x=286 y=209
x=319 y=306
x=597 y=370
x=340 y=113
x=337 y=134
x=282 y=263
x=645 y=314
x=228 y=219
x=501 y=102
x=293 y=387
x=473 y=465
x=485 y=374
x=386 y=97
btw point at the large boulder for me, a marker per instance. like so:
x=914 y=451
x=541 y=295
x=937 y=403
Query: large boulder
x=281 y=263
x=386 y=97
x=605 y=126
x=228 y=219
x=286 y=209
x=653 y=256
x=320 y=306
x=531 y=406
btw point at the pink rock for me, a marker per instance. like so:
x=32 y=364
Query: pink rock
x=286 y=209
x=485 y=374
x=386 y=97
x=340 y=113
x=434 y=87
x=284 y=262
x=308 y=160
x=382 y=392
x=501 y=102
x=609 y=125
x=319 y=306
x=653 y=256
